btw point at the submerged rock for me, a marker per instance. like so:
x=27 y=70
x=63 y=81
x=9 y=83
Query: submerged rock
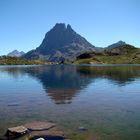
x=81 y=128
x=39 y=126
x=34 y=131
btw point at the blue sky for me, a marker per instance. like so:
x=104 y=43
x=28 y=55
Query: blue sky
x=23 y=23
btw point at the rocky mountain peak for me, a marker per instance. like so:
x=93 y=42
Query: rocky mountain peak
x=59 y=26
x=69 y=27
x=61 y=43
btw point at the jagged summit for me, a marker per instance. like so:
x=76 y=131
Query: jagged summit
x=62 y=26
x=61 y=43
x=69 y=28
x=59 y=26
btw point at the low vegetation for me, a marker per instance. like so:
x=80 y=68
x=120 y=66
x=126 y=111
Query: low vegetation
x=6 y=60
x=122 y=55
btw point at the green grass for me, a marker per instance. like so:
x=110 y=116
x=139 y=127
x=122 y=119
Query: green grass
x=4 y=60
x=129 y=55
x=106 y=59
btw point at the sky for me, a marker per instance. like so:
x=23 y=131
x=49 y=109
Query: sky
x=24 y=23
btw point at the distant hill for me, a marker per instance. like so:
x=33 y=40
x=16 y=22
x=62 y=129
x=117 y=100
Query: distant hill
x=15 y=53
x=117 y=44
x=116 y=54
x=61 y=43
x=121 y=50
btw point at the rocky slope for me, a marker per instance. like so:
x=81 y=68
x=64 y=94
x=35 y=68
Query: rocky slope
x=16 y=53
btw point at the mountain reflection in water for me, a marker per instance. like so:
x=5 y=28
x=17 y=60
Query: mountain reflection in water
x=62 y=82
x=104 y=99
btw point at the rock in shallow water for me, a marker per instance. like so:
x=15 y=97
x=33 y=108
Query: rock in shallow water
x=81 y=128
x=39 y=125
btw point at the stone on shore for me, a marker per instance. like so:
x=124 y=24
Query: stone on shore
x=19 y=129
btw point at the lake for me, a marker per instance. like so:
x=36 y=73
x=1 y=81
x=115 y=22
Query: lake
x=104 y=99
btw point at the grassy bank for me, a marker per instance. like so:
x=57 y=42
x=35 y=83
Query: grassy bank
x=4 y=60
x=106 y=59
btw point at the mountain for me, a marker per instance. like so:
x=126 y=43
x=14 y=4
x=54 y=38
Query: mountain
x=61 y=43
x=119 y=43
x=15 y=53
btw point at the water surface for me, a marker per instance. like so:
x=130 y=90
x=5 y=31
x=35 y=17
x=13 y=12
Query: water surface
x=105 y=99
